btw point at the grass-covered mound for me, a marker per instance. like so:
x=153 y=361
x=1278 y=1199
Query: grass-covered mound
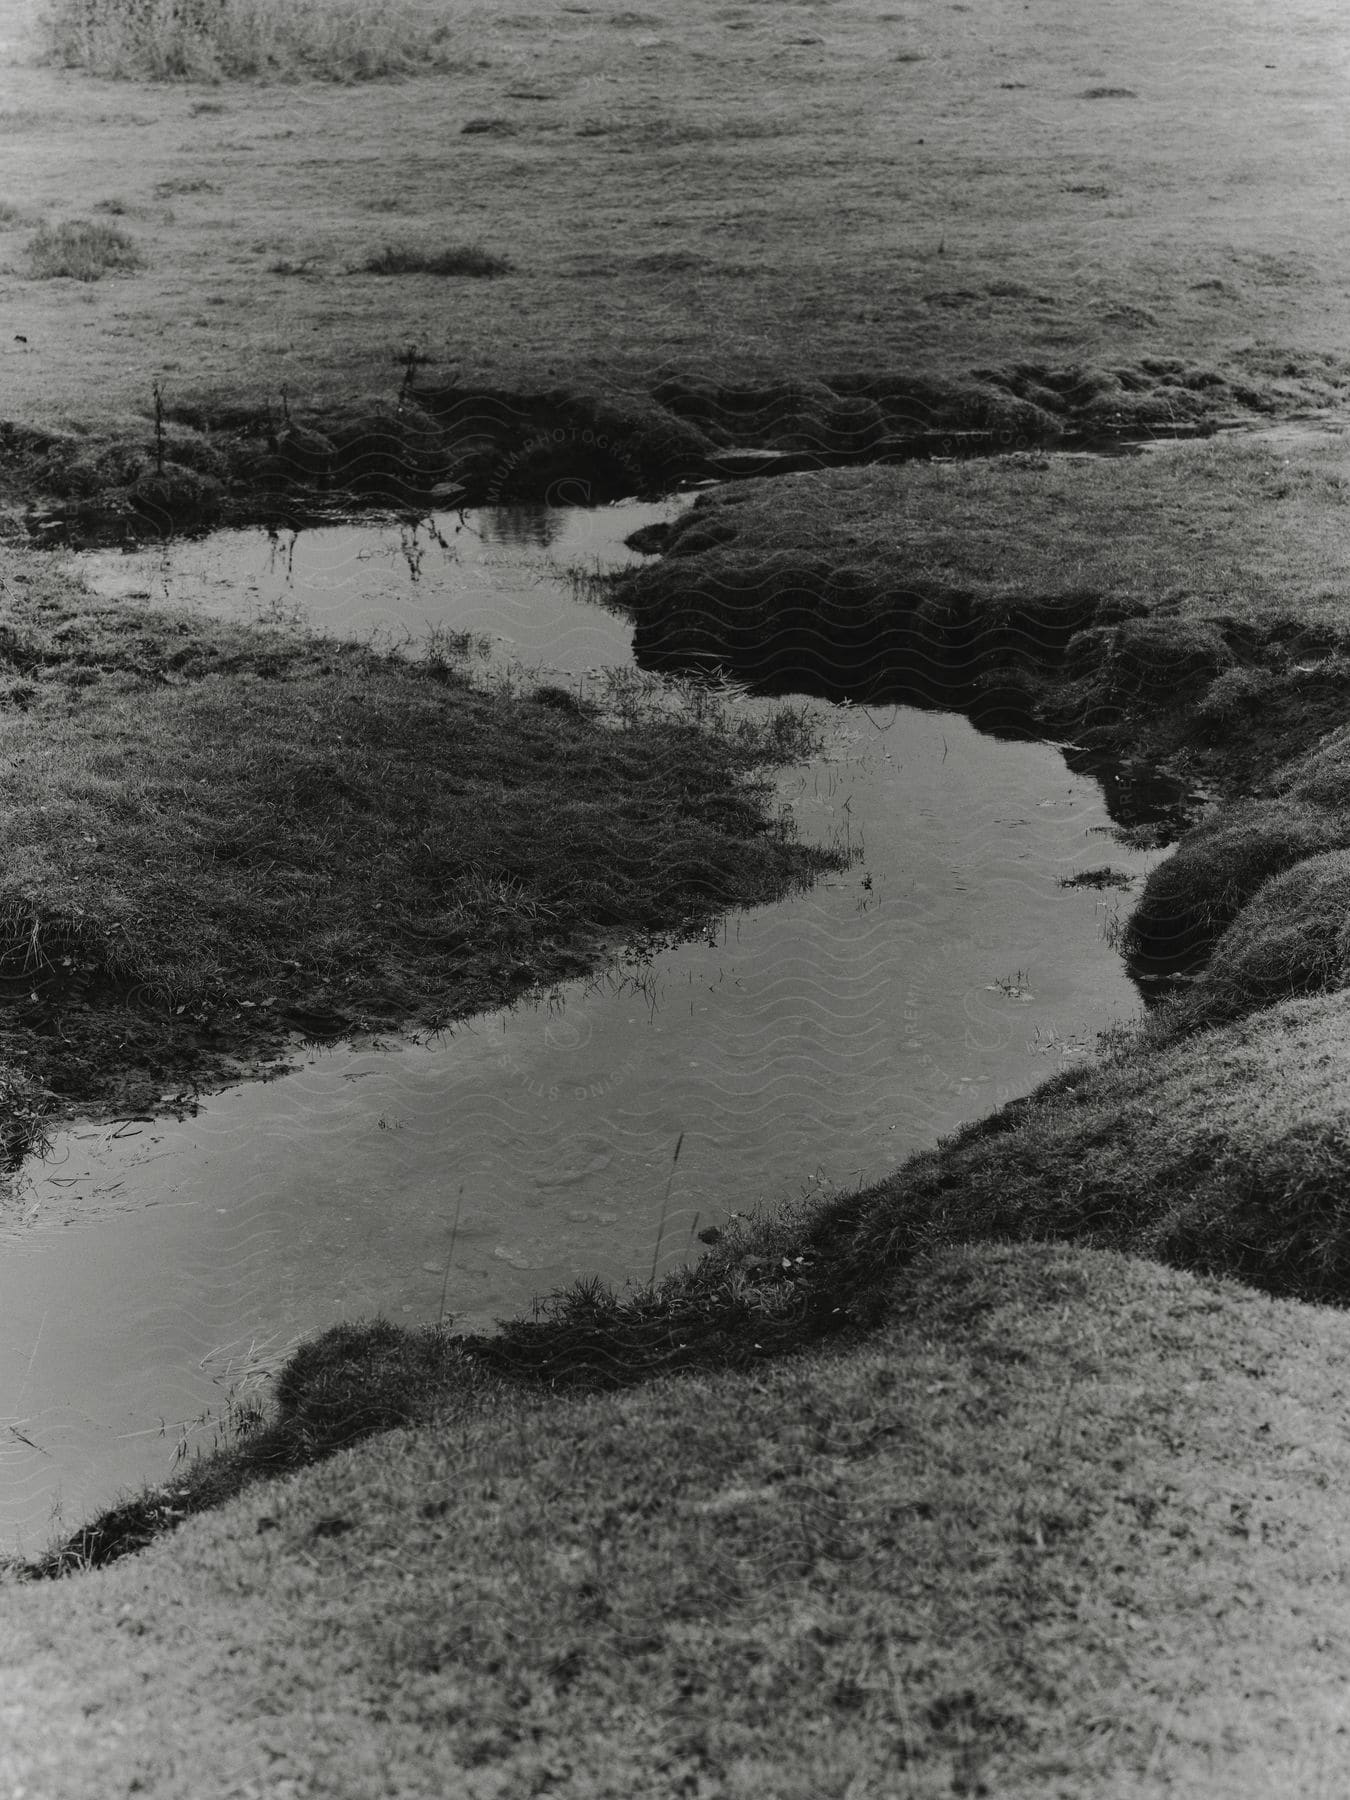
x=1067 y=1525
x=1225 y=1152
x=1259 y=888
x=1184 y=604
x=215 y=835
x=1193 y=897
x=1293 y=937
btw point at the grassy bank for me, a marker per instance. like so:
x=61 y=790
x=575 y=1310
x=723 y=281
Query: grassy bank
x=1066 y=1525
x=220 y=836
x=1182 y=606
x=195 y=463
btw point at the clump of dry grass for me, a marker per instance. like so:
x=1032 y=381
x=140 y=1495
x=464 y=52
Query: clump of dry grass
x=81 y=249
x=24 y=1104
x=195 y=40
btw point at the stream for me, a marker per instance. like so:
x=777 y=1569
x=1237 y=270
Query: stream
x=153 y=1271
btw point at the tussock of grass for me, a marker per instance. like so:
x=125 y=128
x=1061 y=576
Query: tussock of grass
x=1292 y=938
x=1194 y=896
x=1105 y=877
x=177 y=185
x=83 y=250
x=204 y=40
x=1232 y=698
x=455 y=259
x=24 y=1107
x=1168 y=658
x=760 y=1292
x=674 y=132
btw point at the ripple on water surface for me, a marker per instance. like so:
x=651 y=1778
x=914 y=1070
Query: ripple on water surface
x=150 y=1269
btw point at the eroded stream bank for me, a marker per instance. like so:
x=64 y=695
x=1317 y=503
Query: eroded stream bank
x=806 y=1047
x=193 y=465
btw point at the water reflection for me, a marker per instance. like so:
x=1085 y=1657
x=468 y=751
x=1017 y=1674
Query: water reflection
x=538 y=526
x=495 y=572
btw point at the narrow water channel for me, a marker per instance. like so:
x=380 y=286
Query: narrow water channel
x=150 y=1270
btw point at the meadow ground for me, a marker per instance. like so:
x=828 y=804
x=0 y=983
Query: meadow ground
x=735 y=191
x=1018 y=1520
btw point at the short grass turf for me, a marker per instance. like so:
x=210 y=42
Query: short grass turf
x=1068 y=1524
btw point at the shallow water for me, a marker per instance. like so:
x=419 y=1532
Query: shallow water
x=494 y=572
x=150 y=1269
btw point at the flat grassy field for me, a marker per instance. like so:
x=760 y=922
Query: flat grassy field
x=904 y=1496
x=742 y=191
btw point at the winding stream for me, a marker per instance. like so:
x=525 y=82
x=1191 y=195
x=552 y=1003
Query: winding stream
x=150 y=1270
